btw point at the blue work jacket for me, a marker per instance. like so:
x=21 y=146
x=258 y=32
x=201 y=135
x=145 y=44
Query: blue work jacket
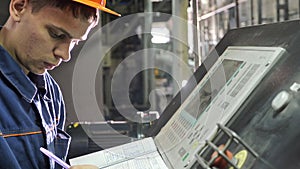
x=32 y=115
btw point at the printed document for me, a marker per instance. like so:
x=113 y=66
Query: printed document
x=140 y=154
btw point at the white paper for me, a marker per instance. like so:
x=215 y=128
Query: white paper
x=148 y=161
x=135 y=155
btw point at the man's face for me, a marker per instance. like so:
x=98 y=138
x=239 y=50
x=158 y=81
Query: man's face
x=45 y=38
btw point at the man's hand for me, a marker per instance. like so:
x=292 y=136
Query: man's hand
x=84 y=167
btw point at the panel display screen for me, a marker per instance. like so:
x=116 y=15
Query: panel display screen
x=205 y=95
x=215 y=99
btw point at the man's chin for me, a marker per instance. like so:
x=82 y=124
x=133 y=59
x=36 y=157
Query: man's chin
x=39 y=72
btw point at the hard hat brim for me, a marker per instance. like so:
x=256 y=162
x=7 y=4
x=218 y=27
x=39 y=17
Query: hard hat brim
x=97 y=6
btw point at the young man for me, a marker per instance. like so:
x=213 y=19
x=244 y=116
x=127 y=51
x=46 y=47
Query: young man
x=37 y=37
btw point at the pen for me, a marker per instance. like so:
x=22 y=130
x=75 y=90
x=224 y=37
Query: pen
x=55 y=158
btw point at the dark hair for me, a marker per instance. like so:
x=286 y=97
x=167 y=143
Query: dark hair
x=79 y=10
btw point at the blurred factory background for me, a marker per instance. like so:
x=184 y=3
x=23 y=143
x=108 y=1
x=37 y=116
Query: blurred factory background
x=211 y=19
x=206 y=22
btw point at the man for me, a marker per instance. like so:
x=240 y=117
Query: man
x=37 y=37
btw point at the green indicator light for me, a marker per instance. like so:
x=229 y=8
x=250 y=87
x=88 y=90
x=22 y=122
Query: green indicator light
x=184 y=158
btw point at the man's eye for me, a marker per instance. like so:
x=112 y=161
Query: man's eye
x=57 y=36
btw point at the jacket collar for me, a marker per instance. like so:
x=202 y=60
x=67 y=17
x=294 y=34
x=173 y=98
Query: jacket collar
x=15 y=75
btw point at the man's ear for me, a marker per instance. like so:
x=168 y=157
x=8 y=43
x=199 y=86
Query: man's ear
x=17 y=8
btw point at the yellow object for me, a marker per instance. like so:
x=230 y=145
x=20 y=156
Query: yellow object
x=75 y=124
x=241 y=157
x=99 y=4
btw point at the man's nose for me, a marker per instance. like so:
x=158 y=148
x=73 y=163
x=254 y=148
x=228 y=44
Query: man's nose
x=63 y=51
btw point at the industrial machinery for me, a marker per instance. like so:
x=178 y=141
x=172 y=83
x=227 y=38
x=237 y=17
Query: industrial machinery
x=239 y=110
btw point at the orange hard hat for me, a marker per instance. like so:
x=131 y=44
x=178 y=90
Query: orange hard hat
x=99 y=4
